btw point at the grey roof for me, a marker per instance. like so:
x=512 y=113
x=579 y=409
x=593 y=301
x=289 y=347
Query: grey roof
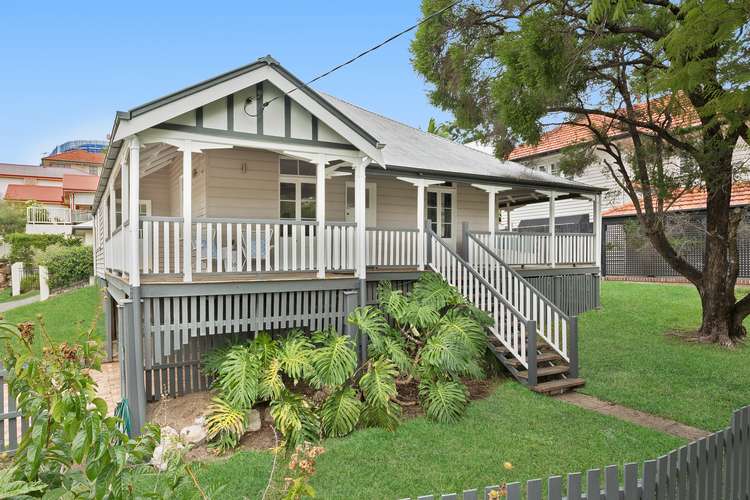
x=15 y=169
x=410 y=148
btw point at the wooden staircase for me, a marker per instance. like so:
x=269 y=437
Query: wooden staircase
x=552 y=371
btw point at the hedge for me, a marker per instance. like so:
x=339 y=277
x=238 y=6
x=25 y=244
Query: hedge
x=66 y=264
x=22 y=245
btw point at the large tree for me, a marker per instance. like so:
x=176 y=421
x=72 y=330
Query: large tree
x=670 y=76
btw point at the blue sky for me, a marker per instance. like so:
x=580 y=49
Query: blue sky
x=68 y=66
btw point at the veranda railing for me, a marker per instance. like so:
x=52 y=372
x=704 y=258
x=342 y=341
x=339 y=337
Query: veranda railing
x=526 y=248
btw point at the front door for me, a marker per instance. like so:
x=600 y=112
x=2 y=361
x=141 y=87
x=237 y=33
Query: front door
x=371 y=205
x=441 y=211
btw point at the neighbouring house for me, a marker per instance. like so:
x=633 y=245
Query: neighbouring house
x=252 y=202
x=628 y=254
x=87 y=162
x=59 y=199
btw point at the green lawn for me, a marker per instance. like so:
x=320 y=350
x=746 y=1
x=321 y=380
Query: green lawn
x=538 y=435
x=66 y=315
x=626 y=357
x=5 y=295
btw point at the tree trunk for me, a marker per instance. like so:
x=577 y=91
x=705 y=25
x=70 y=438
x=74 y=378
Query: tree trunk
x=721 y=323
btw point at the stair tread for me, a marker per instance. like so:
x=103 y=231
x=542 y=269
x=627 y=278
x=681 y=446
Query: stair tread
x=558 y=385
x=498 y=347
x=540 y=358
x=546 y=371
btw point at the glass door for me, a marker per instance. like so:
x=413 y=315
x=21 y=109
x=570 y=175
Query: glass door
x=441 y=212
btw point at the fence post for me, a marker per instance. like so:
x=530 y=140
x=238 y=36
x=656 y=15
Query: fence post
x=16 y=272
x=43 y=283
x=465 y=240
x=573 y=346
x=531 y=352
x=351 y=301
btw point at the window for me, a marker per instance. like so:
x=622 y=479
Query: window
x=440 y=212
x=296 y=190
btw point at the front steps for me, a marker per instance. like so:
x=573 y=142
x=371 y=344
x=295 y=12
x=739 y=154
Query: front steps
x=552 y=369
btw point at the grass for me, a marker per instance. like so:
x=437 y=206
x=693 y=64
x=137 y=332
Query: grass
x=5 y=295
x=627 y=357
x=66 y=315
x=538 y=435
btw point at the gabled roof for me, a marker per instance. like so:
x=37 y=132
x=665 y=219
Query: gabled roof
x=18 y=170
x=77 y=156
x=400 y=146
x=678 y=114
x=44 y=194
x=694 y=199
x=80 y=183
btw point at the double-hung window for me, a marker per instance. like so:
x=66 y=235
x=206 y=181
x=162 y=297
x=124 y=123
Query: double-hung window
x=296 y=190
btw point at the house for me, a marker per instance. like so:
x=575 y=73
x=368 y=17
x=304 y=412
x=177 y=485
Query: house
x=252 y=202
x=627 y=254
x=60 y=198
x=87 y=162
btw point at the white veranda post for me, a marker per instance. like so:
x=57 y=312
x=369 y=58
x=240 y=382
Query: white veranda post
x=320 y=213
x=187 y=211
x=421 y=185
x=133 y=195
x=552 y=242
x=598 y=230
x=492 y=192
x=360 y=216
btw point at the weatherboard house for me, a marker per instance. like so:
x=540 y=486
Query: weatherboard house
x=251 y=202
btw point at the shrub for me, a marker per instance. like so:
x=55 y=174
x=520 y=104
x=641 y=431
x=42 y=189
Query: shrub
x=23 y=246
x=66 y=264
x=12 y=218
x=29 y=283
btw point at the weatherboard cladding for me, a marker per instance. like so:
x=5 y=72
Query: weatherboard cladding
x=402 y=146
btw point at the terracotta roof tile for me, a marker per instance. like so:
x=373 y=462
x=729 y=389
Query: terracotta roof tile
x=577 y=131
x=77 y=155
x=80 y=182
x=44 y=194
x=690 y=200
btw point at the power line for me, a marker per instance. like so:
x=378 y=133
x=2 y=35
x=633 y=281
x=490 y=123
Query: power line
x=361 y=54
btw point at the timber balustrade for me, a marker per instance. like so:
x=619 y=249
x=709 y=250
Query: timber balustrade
x=522 y=249
x=116 y=250
x=392 y=247
x=516 y=332
x=554 y=326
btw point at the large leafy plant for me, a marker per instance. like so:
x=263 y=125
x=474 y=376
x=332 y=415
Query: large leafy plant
x=430 y=334
x=73 y=447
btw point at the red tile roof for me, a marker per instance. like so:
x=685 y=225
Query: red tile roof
x=44 y=194
x=77 y=156
x=694 y=199
x=577 y=131
x=80 y=183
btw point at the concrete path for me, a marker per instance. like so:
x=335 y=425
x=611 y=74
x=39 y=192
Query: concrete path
x=634 y=416
x=7 y=306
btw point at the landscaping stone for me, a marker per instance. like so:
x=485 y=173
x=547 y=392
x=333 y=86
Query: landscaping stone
x=253 y=421
x=193 y=434
x=200 y=420
x=267 y=417
x=169 y=445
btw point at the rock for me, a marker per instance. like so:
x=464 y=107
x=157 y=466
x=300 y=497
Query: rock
x=200 y=420
x=170 y=445
x=267 y=417
x=168 y=433
x=193 y=434
x=253 y=421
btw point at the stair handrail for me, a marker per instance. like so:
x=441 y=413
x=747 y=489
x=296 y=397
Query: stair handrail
x=526 y=355
x=570 y=352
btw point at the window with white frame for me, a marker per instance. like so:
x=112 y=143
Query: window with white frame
x=296 y=189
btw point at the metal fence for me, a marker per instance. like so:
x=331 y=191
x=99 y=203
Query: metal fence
x=713 y=468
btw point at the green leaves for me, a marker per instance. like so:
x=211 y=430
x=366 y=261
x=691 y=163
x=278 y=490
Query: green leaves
x=378 y=387
x=340 y=412
x=295 y=418
x=443 y=400
x=238 y=377
x=225 y=424
x=334 y=362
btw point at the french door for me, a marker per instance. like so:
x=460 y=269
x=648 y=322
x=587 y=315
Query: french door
x=441 y=211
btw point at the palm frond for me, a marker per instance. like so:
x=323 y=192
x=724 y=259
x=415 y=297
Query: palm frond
x=238 y=377
x=465 y=329
x=434 y=291
x=334 y=362
x=443 y=400
x=378 y=384
x=391 y=301
x=295 y=419
x=225 y=424
x=340 y=412
x=295 y=355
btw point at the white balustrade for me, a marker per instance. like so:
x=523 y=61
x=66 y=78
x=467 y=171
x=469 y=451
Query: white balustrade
x=552 y=324
x=115 y=251
x=392 y=247
x=341 y=246
x=510 y=326
x=161 y=245
x=522 y=249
